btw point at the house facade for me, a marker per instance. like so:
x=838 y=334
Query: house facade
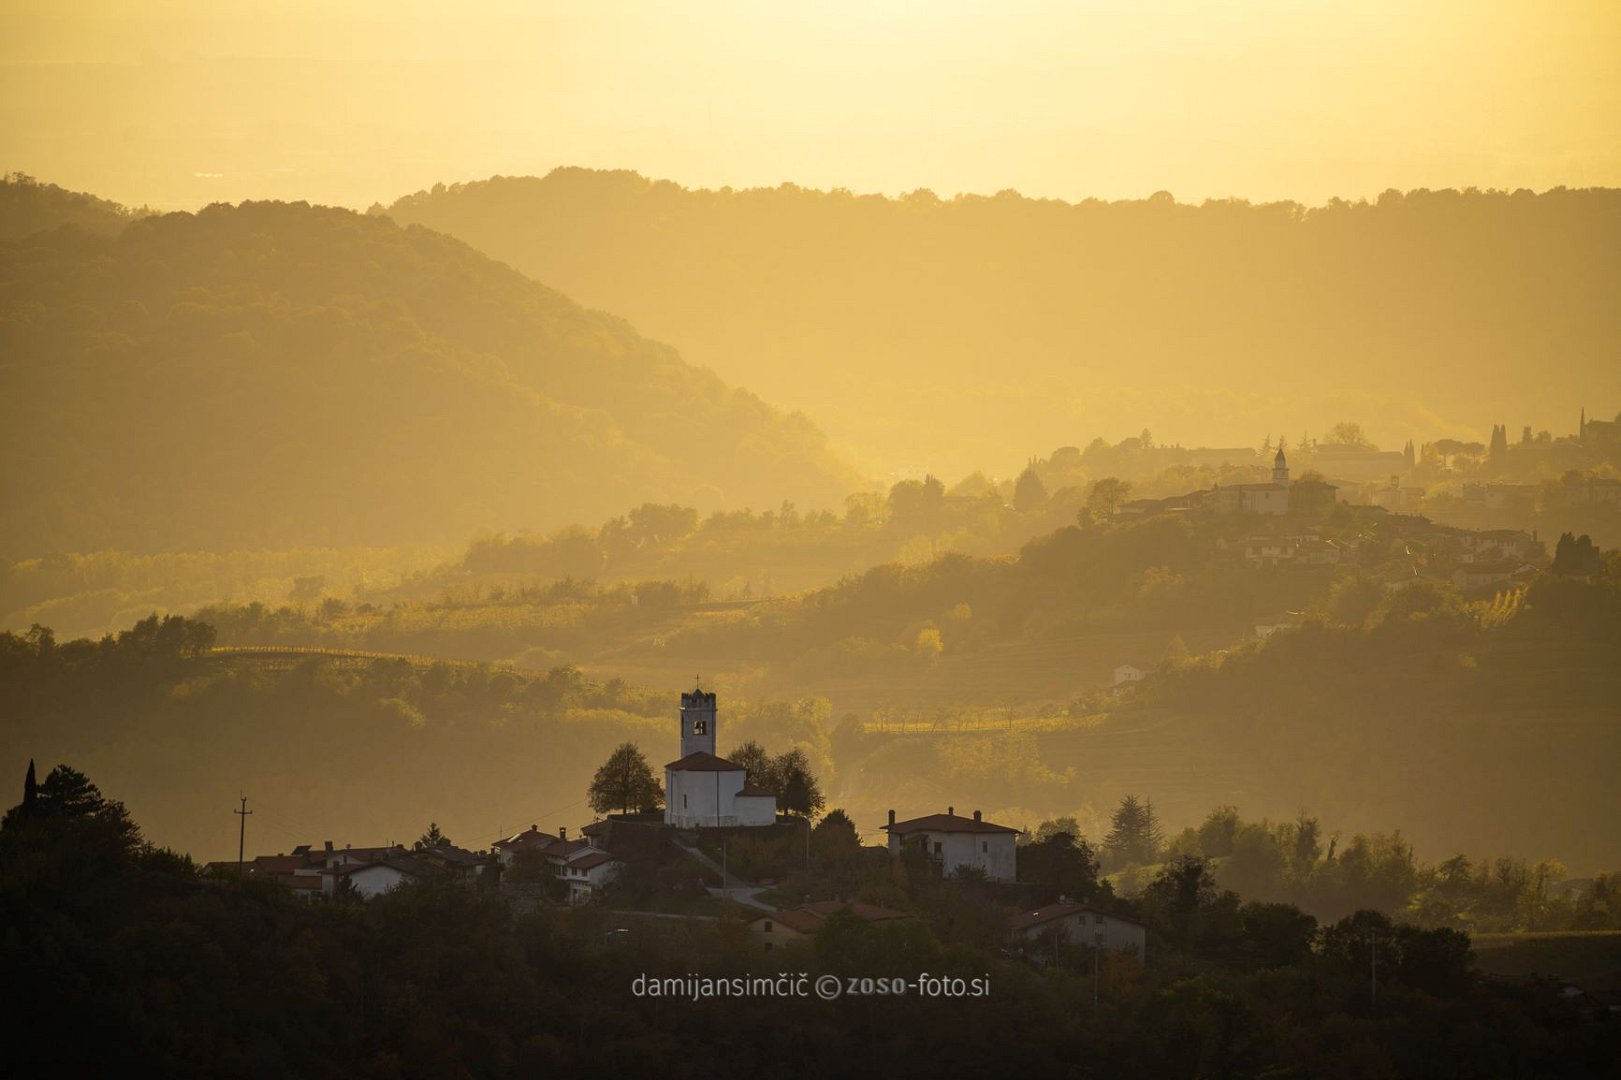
x=1080 y=925
x=957 y=843
x=778 y=928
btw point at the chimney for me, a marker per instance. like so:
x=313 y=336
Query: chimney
x=976 y=815
x=562 y=832
x=951 y=811
x=329 y=845
x=892 y=817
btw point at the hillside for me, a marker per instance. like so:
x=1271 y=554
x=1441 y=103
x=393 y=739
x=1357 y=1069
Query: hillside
x=1426 y=717
x=965 y=333
x=28 y=206
x=280 y=375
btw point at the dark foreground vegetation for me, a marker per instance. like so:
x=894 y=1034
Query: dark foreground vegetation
x=121 y=958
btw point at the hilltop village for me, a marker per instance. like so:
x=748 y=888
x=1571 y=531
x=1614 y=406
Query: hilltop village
x=712 y=806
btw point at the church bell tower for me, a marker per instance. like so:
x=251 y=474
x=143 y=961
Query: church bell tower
x=1280 y=469
x=697 y=722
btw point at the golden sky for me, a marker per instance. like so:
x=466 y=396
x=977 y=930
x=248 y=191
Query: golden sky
x=175 y=104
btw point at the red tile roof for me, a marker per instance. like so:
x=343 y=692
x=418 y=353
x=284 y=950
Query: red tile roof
x=808 y=917
x=588 y=862
x=869 y=912
x=703 y=761
x=947 y=823
x=754 y=791
x=796 y=919
x=529 y=837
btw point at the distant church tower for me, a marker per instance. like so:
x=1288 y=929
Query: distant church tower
x=1280 y=469
x=697 y=722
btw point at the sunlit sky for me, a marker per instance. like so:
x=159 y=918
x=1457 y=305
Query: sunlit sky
x=175 y=104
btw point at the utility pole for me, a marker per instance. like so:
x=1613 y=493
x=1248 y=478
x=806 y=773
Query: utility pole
x=1096 y=949
x=241 y=835
x=1373 y=968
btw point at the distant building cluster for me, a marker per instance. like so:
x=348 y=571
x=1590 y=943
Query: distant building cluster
x=705 y=792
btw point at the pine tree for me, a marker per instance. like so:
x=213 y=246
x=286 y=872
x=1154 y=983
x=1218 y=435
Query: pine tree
x=1135 y=836
x=30 y=791
x=1029 y=493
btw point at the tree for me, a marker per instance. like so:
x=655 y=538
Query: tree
x=755 y=761
x=788 y=775
x=797 y=790
x=433 y=837
x=1576 y=556
x=30 y=790
x=835 y=837
x=1029 y=493
x=68 y=812
x=1347 y=433
x=1499 y=444
x=1105 y=496
x=625 y=781
x=1063 y=863
x=1135 y=835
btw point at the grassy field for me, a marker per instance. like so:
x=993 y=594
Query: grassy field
x=1591 y=959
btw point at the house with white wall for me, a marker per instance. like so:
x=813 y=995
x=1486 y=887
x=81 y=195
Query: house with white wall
x=1079 y=925
x=957 y=842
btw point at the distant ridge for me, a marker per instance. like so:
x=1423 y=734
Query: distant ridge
x=965 y=333
x=281 y=375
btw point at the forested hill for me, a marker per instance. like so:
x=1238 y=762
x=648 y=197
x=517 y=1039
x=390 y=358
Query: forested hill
x=280 y=375
x=970 y=332
x=28 y=206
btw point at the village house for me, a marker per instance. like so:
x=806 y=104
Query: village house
x=1307 y=550
x=1499 y=545
x=777 y=928
x=956 y=843
x=1604 y=490
x=1474 y=576
x=1127 y=673
x=1079 y=925
x=531 y=839
x=1510 y=496
x=370 y=879
x=583 y=867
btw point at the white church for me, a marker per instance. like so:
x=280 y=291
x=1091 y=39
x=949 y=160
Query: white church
x=705 y=791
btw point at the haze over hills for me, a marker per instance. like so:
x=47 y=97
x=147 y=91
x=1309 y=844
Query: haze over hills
x=280 y=375
x=955 y=334
x=28 y=206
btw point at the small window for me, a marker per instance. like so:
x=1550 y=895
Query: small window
x=937 y=847
x=700 y=727
x=768 y=926
x=683 y=802
x=985 y=846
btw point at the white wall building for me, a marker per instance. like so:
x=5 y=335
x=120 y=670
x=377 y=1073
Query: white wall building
x=957 y=842
x=1127 y=673
x=705 y=791
x=1080 y=926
